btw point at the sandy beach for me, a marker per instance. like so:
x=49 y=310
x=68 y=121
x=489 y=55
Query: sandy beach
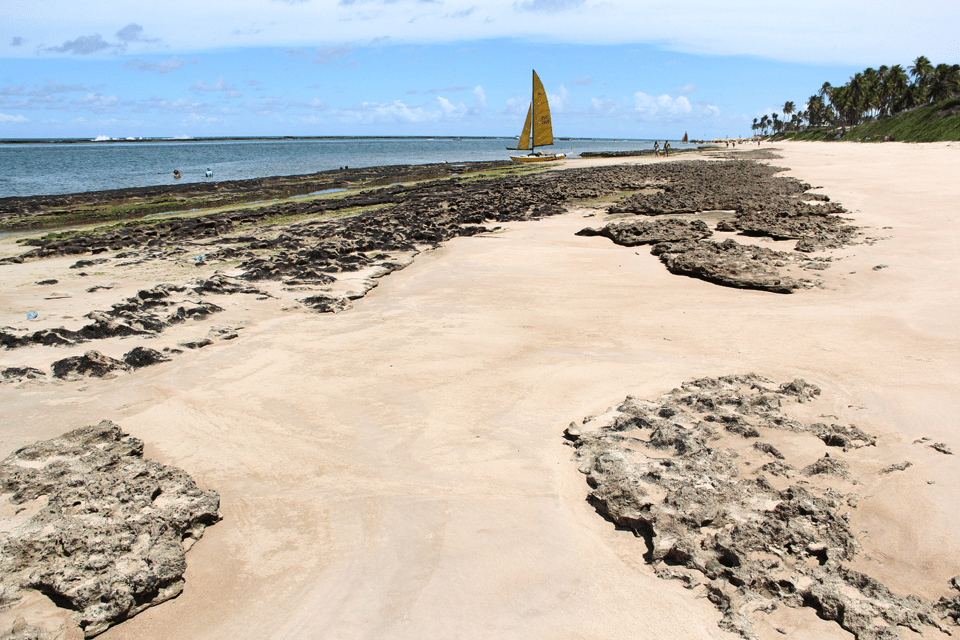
x=399 y=469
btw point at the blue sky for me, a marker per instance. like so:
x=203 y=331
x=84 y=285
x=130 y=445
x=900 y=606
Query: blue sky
x=642 y=69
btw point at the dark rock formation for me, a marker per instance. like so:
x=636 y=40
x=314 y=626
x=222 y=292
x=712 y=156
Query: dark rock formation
x=373 y=231
x=632 y=233
x=19 y=374
x=33 y=212
x=99 y=530
x=91 y=364
x=709 y=516
x=196 y=344
x=815 y=232
x=137 y=315
x=728 y=263
x=140 y=357
x=761 y=203
x=900 y=466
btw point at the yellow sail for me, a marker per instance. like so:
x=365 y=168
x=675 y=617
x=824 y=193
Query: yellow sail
x=525 y=135
x=542 y=126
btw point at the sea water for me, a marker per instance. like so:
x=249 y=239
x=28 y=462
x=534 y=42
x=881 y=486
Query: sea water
x=48 y=168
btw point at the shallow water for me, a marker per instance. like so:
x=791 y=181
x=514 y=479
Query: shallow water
x=48 y=168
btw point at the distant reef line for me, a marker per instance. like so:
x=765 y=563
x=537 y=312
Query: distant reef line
x=264 y=138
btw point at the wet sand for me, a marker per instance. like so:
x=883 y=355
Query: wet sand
x=398 y=470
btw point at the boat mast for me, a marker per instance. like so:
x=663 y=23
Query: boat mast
x=533 y=112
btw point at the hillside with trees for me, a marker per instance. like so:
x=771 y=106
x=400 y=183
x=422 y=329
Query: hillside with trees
x=920 y=103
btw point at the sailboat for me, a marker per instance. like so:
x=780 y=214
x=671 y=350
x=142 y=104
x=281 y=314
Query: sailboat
x=684 y=137
x=537 y=129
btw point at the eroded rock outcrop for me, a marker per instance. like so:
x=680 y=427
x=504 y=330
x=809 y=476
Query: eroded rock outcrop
x=760 y=202
x=755 y=202
x=754 y=535
x=98 y=529
x=632 y=233
x=91 y=364
x=19 y=374
x=728 y=263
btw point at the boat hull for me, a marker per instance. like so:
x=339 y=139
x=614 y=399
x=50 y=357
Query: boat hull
x=547 y=157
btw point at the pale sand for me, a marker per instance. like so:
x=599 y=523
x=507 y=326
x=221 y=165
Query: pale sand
x=398 y=470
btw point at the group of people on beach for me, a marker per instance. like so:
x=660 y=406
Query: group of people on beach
x=656 y=148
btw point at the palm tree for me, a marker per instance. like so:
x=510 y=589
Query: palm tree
x=921 y=71
x=944 y=82
x=883 y=91
x=788 y=108
x=840 y=100
x=897 y=83
x=871 y=92
x=856 y=98
x=816 y=111
x=801 y=116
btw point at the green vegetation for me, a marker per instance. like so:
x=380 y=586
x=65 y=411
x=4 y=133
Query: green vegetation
x=932 y=123
x=877 y=102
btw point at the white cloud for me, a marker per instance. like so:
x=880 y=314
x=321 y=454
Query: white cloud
x=220 y=86
x=709 y=110
x=181 y=105
x=547 y=6
x=559 y=100
x=463 y=13
x=160 y=66
x=479 y=98
x=83 y=46
x=197 y=119
x=97 y=100
x=449 y=109
x=769 y=30
x=8 y=118
x=134 y=33
x=399 y=112
x=326 y=55
x=50 y=87
x=517 y=106
x=685 y=90
x=396 y=112
x=660 y=108
x=604 y=107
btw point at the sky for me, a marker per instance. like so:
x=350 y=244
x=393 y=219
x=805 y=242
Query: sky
x=642 y=69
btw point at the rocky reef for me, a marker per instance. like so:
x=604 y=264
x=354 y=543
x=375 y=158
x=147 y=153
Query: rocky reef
x=753 y=202
x=95 y=527
x=326 y=253
x=720 y=508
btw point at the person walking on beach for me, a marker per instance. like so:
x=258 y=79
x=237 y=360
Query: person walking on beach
x=666 y=148
x=656 y=148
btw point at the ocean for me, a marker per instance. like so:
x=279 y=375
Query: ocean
x=49 y=168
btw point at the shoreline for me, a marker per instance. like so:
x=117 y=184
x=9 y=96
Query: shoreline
x=372 y=462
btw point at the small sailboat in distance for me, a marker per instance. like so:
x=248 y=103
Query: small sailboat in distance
x=684 y=137
x=537 y=128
